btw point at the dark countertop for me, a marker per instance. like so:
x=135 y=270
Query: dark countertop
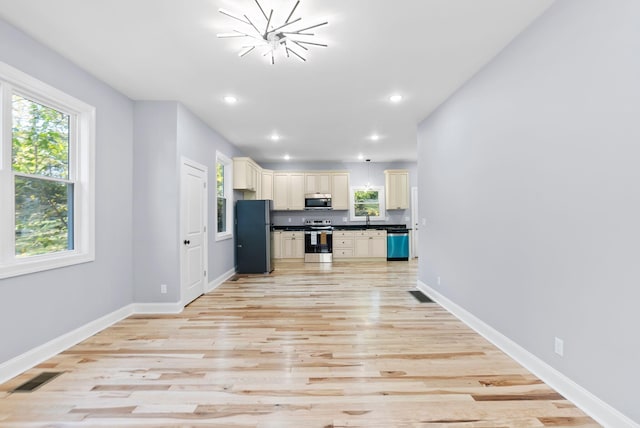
x=288 y=228
x=347 y=227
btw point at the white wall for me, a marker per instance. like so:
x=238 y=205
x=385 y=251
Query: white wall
x=39 y=307
x=528 y=181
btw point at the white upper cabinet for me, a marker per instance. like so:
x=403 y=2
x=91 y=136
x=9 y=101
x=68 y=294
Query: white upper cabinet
x=397 y=189
x=319 y=182
x=266 y=192
x=340 y=190
x=245 y=174
x=288 y=191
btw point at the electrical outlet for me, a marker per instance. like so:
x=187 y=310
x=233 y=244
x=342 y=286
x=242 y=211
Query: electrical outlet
x=406 y=218
x=559 y=347
x=163 y=288
x=438 y=280
x=424 y=221
x=289 y=219
x=344 y=219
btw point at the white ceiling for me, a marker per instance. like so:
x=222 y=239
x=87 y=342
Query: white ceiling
x=324 y=109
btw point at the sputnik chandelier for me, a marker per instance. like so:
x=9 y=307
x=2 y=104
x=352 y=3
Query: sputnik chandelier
x=271 y=36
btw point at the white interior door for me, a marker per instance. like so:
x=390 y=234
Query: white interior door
x=415 y=222
x=193 y=230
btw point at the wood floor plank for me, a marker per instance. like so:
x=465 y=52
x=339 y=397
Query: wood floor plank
x=310 y=345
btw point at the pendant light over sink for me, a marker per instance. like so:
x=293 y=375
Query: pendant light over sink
x=271 y=33
x=368 y=185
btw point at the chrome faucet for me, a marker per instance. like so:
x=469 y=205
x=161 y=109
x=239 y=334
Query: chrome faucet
x=368 y=220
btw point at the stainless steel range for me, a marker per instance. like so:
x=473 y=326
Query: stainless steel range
x=318 y=241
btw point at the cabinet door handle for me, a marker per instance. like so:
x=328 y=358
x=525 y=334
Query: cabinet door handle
x=186 y=242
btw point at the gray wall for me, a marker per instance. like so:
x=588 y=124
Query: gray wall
x=39 y=307
x=165 y=131
x=528 y=181
x=199 y=142
x=359 y=174
x=155 y=208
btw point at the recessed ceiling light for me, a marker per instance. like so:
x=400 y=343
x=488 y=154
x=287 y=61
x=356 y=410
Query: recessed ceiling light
x=360 y=156
x=230 y=99
x=395 y=98
x=375 y=137
x=274 y=137
x=287 y=157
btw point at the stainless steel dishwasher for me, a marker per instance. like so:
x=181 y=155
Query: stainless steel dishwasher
x=397 y=244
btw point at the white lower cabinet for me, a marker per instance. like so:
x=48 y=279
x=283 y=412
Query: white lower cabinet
x=359 y=244
x=343 y=244
x=276 y=244
x=292 y=245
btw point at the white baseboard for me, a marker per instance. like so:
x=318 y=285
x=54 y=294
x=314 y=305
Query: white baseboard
x=157 y=308
x=13 y=367
x=220 y=280
x=585 y=400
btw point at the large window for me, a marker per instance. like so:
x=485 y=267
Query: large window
x=224 y=197
x=46 y=176
x=367 y=203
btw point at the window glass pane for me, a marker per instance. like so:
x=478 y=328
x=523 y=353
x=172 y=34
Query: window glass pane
x=43 y=223
x=40 y=139
x=366 y=203
x=220 y=180
x=222 y=215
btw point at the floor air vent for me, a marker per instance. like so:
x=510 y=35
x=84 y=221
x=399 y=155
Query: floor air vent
x=420 y=296
x=37 y=382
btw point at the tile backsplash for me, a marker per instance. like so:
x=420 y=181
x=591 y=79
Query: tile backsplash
x=337 y=217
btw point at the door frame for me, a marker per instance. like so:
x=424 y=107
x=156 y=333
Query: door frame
x=415 y=223
x=186 y=162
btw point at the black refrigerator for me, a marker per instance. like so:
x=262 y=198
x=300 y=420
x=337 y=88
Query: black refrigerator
x=253 y=236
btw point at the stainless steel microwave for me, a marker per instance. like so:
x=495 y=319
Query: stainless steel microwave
x=317 y=201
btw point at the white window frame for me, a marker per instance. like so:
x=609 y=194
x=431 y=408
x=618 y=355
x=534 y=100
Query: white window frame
x=228 y=193
x=352 y=202
x=81 y=173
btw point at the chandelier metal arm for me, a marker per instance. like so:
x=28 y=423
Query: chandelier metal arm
x=293 y=10
x=298 y=34
x=231 y=15
x=266 y=29
x=295 y=53
x=309 y=28
x=286 y=24
x=254 y=27
x=298 y=43
x=262 y=10
x=312 y=43
x=247 y=50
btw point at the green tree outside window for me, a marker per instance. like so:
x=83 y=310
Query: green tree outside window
x=43 y=192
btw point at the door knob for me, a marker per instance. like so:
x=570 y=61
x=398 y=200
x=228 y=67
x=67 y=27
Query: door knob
x=187 y=242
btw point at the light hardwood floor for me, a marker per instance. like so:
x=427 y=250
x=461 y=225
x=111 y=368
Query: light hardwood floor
x=312 y=345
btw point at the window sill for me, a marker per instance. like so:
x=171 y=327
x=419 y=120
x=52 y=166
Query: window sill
x=43 y=263
x=223 y=236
